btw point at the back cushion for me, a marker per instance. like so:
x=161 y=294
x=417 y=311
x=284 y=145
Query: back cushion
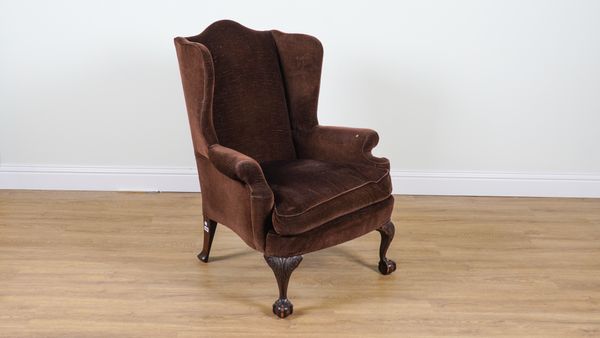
x=249 y=106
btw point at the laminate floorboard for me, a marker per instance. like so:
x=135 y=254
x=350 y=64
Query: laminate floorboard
x=116 y=264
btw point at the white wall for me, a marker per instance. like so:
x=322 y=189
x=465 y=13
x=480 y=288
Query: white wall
x=469 y=97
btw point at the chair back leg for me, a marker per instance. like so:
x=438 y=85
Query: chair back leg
x=210 y=227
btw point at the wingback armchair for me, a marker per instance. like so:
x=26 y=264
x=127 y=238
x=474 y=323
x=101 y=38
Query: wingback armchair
x=268 y=171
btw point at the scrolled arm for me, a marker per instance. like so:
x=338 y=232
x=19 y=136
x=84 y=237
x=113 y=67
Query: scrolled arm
x=240 y=167
x=341 y=144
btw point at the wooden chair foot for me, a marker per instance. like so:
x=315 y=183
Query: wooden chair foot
x=283 y=307
x=386 y=266
x=210 y=227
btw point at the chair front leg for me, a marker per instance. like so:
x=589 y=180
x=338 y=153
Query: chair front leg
x=386 y=266
x=210 y=227
x=282 y=268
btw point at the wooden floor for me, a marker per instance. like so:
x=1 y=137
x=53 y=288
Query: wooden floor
x=102 y=264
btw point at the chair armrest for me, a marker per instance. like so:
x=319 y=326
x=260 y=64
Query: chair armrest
x=341 y=144
x=240 y=167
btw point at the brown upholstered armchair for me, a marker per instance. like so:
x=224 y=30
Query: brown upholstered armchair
x=286 y=185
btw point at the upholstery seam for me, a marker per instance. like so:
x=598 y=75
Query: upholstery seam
x=348 y=213
x=387 y=173
x=304 y=233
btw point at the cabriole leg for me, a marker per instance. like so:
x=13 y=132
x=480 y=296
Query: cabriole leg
x=282 y=268
x=210 y=227
x=386 y=266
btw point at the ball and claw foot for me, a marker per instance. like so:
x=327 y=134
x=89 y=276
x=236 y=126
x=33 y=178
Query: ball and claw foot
x=282 y=268
x=283 y=308
x=387 y=266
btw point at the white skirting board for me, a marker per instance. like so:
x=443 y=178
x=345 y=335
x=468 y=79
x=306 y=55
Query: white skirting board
x=404 y=182
x=99 y=178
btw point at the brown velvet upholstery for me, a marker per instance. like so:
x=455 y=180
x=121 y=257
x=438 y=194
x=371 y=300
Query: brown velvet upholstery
x=283 y=183
x=250 y=109
x=340 y=230
x=309 y=193
x=267 y=169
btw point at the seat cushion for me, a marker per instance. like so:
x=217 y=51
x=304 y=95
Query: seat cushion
x=332 y=233
x=309 y=193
